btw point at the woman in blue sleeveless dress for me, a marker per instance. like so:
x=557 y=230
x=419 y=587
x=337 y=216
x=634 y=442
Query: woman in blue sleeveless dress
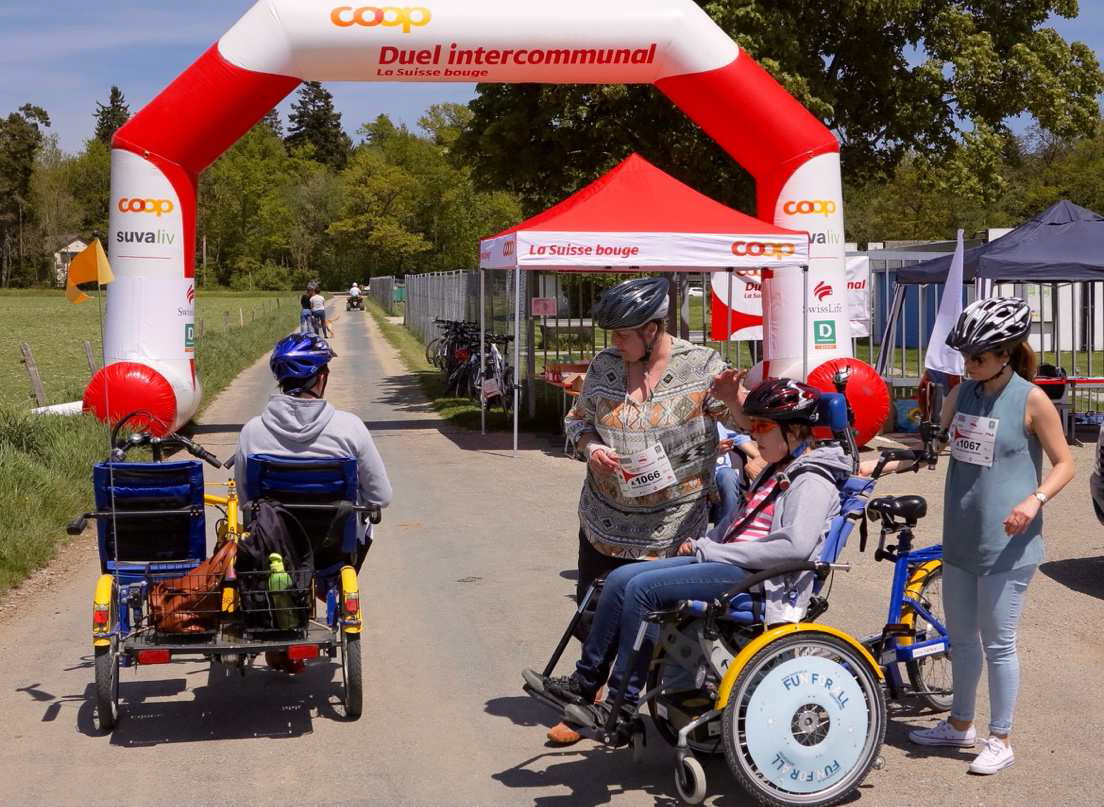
x=999 y=424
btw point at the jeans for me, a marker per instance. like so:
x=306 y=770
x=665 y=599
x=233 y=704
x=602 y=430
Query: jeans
x=983 y=610
x=630 y=592
x=304 y=320
x=731 y=496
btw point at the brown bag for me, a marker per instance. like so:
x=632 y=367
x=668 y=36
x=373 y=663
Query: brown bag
x=192 y=603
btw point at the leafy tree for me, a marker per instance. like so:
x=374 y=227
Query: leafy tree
x=891 y=78
x=444 y=122
x=315 y=122
x=111 y=116
x=89 y=177
x=57 y=210
x=273 y=122
x=21 y=137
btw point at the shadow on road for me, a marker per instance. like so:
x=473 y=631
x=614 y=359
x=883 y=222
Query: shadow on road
x=1085 y=575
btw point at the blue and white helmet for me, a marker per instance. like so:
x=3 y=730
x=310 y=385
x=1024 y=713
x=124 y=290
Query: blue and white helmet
x=297 y=360
x=990 y=324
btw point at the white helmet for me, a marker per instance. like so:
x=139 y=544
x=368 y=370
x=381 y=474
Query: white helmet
x=991 y=324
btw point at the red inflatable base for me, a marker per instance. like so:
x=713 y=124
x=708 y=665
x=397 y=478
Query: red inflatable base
x=866 y=392
x=124 y=387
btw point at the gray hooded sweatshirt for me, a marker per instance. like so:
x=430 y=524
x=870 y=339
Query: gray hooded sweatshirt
x=311 y=427
x=799 y=524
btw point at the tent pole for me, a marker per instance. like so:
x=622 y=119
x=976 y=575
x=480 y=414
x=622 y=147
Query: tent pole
x=517 y=349
x=805 y=322
x=728 y=330
x=482 y=352
x=885 y=350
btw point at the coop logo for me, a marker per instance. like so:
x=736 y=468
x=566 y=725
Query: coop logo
x=761 y=249
x=809 y=207
x=822 y=290
x=155 y=206
x=507 y=249
x=405 y=17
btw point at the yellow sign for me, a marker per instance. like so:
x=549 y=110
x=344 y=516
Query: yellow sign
x=90 y=266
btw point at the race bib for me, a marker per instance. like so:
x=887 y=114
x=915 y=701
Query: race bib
x=645 y=472
x=490 y=388
x=973 y=439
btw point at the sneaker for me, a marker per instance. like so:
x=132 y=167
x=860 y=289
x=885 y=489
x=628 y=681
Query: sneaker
x=995 y=756
x=944 y=734
x=564 y=688
x=594 y=715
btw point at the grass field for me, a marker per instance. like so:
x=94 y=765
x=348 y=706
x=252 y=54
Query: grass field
x=55 y=329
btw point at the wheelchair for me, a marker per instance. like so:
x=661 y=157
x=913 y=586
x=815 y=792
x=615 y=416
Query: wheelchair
x=161 y=599
x=354 y=303
x=798 y=710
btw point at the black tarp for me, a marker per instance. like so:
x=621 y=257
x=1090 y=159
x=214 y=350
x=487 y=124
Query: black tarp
x=1064 y=243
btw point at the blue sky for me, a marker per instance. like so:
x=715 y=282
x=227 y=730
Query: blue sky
x=65 y=55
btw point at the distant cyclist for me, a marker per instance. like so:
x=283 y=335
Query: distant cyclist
x=318 y=313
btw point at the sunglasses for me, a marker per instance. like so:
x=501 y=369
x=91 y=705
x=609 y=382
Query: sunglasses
x=972 y=357
x=762 y=426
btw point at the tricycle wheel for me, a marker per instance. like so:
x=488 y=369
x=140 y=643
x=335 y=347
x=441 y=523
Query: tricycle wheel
x=107 y=686
x=690 y=780
x=350 y=668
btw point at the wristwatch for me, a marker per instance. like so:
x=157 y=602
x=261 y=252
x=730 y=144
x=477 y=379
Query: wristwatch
x=1042 y=497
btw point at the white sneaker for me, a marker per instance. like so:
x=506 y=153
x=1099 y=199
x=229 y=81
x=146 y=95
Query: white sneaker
x=995 y=756
x=944 y=734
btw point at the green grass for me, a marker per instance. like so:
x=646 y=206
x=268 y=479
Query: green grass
x=54 y=329
x=458 y=411
x=46 y=462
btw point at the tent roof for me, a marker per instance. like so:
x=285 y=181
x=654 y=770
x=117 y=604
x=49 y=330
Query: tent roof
x=640 y=203
x=1063 y=243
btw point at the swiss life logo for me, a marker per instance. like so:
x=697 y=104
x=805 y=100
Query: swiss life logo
x=822 y=290
x=190 y=294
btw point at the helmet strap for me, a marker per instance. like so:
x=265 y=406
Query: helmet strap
x=995 y=375
x=648 y=346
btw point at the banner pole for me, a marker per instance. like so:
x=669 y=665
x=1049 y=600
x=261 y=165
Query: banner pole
x=728 y=329
x=517 y=349
x=805 y=322
x=482 y=353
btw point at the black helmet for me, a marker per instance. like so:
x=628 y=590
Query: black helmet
x=633 y=303
x=990 y=324
x=784 y=400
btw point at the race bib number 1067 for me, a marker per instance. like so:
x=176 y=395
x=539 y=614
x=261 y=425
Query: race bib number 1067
x=973 y=439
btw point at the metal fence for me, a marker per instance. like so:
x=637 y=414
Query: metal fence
x=382 y=290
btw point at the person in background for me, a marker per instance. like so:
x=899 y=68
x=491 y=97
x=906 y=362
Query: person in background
x=305 y=308
x=738 y=463
x=318 y=313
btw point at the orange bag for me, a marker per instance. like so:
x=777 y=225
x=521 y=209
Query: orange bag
x=192 y=603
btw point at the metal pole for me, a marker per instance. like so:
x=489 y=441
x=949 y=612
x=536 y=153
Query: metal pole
x=517 y=349
x=482 y=328
x=728 y=329
x=805 y=321
x=885 y=352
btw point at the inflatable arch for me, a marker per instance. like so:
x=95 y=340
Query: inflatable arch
x=157 y=156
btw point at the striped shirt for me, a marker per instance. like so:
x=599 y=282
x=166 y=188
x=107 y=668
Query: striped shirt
x=760 y=526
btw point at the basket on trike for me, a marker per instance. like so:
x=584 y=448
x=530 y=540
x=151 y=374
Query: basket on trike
x=288 y=591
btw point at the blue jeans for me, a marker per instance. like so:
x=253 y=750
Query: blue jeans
x=304 y=320
x=630 y=592
x=983 y=610
x=731 y=497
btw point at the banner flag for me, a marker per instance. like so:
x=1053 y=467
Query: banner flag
x=939 y=356
x=91 y=266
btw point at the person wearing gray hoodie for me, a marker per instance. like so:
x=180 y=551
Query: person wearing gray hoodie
x=788 y=512
x=297 y=421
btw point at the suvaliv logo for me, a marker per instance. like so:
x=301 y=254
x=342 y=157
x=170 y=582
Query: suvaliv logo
x=824 y=334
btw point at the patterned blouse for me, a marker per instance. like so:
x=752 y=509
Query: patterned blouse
x=680 y=414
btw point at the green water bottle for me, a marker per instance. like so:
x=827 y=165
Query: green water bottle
x=280 y=581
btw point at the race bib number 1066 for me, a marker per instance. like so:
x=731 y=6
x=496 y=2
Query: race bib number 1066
x=645 y=472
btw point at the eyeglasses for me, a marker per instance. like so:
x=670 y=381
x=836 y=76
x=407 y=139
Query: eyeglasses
x=761 y=426
x=972 y=357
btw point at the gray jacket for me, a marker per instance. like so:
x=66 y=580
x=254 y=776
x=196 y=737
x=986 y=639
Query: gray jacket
x=311 y=427
x=799 y=524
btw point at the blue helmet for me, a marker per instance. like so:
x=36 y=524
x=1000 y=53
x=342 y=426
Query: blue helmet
x=298 y=359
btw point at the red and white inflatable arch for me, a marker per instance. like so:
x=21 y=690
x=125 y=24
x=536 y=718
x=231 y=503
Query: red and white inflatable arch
x=158 y=156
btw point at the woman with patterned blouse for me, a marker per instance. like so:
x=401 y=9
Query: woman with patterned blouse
x=648 y=389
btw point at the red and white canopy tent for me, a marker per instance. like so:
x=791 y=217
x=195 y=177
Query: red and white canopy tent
x=636 y=218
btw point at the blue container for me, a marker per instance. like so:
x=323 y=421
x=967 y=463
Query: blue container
x=907 y=414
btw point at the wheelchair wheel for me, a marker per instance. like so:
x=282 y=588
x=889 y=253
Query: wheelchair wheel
x=805 y=721
x=690 y=780
x=675 y=678
x=351 y=674
x=930 y=674
x=107 y=686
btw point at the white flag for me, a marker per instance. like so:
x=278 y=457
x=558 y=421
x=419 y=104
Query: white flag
x=939 y=356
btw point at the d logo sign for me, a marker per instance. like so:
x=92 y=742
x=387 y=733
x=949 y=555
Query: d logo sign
x=155 y=206
x=387 y=16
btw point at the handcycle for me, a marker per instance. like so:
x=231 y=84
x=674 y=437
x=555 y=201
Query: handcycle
x=354 y=303
x=798 y=710
x=153 y=605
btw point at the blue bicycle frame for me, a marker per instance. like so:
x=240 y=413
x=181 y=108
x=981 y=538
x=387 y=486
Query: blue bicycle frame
x=893 y=651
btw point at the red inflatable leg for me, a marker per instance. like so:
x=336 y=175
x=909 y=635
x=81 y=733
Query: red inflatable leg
x=124 y=387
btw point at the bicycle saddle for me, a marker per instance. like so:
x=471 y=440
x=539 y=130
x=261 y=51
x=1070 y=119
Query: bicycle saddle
x=907 y=508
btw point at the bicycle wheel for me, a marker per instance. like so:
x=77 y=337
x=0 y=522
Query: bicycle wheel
x=433 y=352
x=805 y=721
x=107 y=686
x=352 y=679
x=506 y=394
x=930 y=675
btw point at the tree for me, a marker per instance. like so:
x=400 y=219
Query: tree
x=21 y=137
x=314 y=122
x=444 y=122
x=111 y=116
x=273 y=122
x=890 y=78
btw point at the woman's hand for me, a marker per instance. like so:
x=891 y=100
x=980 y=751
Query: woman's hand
x=685 y=548
x=728 y=385
x=1022 y=515
x=603 y=460
x=866 y=467
x=724 y=446
x=753 y=467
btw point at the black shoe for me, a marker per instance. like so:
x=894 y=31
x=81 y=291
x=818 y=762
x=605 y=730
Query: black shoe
x=567 y=689
x=596 y=715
